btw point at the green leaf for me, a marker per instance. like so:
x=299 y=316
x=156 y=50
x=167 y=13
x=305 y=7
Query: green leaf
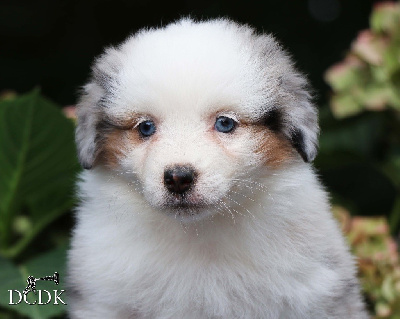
x=376 y=96
x=385 y=16
x=391 y=57
x=14 y=277
x=37 y=166
x=342 y=76
x=345 y=105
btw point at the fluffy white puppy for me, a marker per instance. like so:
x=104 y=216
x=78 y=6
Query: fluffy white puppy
x=199 y=200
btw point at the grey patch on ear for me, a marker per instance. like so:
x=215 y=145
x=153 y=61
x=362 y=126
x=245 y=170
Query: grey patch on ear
x=85 y=133
x=289 y=108
x=300 y=117
x=102 y=79
x=97 y=95
x=280 y=80
x=105 y=74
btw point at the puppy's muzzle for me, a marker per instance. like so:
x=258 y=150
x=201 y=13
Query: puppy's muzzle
x=179 y=179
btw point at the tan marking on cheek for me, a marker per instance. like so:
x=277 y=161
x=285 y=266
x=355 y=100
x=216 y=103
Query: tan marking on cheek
x=274 y=148
x=213 y=137
x=115 y=145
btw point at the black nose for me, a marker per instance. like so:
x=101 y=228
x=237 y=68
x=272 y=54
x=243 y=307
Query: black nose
x=179 y=179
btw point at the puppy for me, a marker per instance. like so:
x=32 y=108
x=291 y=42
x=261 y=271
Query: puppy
x=198 y=199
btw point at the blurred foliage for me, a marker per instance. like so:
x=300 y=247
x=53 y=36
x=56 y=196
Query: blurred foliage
x=37 y=168
x=360 y=142
x=361 y=145
x=369 y=76
x=378 y=261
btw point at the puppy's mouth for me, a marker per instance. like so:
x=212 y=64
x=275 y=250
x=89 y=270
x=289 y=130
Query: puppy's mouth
x=185 y=204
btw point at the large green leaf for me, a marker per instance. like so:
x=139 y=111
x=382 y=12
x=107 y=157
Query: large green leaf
x=14 y=278
x=37 y=166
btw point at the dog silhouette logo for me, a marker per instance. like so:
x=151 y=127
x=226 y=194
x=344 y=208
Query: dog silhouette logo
x=32 y=282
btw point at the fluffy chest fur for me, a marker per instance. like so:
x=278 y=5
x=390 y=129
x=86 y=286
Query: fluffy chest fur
x=264 y=265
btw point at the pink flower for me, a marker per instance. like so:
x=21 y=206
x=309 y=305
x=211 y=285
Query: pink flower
x=369 y=47
x=70 y=111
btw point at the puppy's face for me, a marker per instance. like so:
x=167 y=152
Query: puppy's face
x=188 y=113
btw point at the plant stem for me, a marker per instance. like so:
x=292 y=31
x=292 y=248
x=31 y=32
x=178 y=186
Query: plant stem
x=18 y=248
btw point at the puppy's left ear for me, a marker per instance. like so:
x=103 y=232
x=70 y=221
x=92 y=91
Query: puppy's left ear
x=299 y=117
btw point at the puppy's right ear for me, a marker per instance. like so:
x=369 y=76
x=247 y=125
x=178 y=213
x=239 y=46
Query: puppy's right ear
x=95 y=98
x=88 y=117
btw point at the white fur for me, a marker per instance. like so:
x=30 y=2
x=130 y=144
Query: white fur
x=263 y=246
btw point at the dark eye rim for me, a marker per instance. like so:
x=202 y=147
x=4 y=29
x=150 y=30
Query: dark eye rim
x=146 y=135
x=234 y=124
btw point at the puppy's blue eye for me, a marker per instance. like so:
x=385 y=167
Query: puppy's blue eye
x=224 y=124
x=147 y=128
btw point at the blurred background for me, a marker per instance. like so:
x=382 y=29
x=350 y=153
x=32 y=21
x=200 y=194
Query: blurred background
x=349 y=49
x=52 y=43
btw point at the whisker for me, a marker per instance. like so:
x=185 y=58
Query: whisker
x=227 y=208
x=231 y=199
x=241 y=194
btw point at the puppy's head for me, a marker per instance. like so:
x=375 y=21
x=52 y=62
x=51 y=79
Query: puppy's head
x=189 y=111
